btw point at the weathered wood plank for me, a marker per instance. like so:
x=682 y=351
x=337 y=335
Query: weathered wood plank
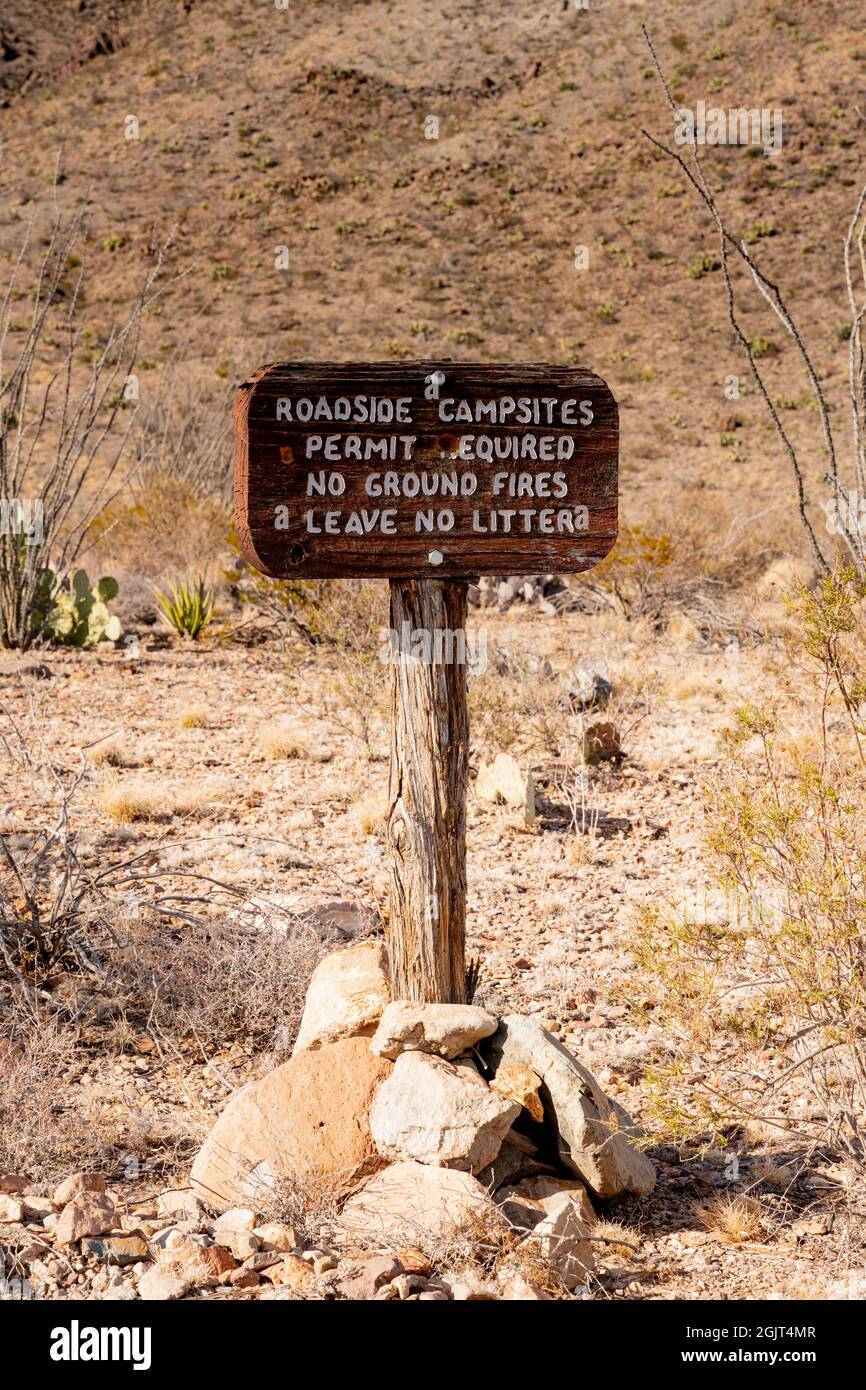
x=427 y=813
x=535 y=469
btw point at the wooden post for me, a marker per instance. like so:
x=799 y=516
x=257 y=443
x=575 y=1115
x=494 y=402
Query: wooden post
x=427 y=815
x=312 y=502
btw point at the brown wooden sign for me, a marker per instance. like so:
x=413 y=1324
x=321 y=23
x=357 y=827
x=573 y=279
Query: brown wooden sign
x=425 y=469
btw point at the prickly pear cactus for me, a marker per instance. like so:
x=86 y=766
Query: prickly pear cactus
x=79 y=616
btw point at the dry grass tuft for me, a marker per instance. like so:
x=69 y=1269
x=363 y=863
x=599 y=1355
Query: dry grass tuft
x=616 y=1239
x=761 y=1131
x=733 y=1219
x=634 y=676
x=128 y=802
x=282 y=739
x=194 y=717
x=370 y=813
x=110 y=752
x=582 y=847
x=692 y=685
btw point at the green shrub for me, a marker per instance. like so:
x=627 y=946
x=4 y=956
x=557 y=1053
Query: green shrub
x=701 y=265
x=762 y=347
x=763 y=227
x=771 y=979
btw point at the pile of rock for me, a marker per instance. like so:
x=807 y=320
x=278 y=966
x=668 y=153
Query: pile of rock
x=417 y=1131
x=470 y=1121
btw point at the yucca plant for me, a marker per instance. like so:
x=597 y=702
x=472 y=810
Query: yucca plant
x=186 y=607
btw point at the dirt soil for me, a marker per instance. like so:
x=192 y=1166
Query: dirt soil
x=549 y=907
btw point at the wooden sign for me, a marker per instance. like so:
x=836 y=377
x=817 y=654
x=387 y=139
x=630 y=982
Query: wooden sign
x=425 y=469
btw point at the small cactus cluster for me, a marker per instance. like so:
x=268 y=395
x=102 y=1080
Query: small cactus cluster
x=78 y=616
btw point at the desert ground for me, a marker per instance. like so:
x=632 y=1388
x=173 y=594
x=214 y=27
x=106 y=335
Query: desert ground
x=215 y=809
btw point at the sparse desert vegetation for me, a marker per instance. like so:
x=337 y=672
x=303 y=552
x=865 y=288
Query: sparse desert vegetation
x=666 y=820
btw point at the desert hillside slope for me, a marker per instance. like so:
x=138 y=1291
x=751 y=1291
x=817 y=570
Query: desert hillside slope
x=304 y=128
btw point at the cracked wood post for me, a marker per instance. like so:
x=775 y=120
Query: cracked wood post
x=427 y=803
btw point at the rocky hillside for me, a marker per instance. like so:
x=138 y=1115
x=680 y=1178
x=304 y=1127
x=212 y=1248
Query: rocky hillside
x=306 y=128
